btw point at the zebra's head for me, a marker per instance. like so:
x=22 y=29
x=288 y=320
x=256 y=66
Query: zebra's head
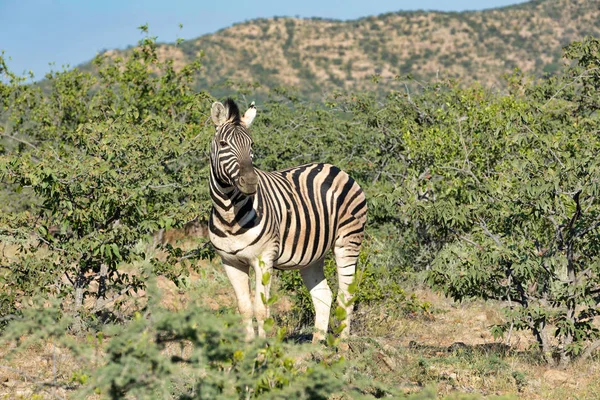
x=231 y=148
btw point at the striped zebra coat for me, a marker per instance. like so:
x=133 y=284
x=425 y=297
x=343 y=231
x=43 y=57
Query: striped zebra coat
x=285 y=220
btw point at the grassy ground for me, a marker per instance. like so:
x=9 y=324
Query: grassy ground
x=449 y=350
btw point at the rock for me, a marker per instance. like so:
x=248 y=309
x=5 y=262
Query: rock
x=481 y=317
x=390 y=349
x=386 y=360
x=556 y=377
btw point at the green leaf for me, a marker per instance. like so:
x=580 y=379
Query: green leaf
x=266 y=278
x=115 y=250
x=269 y=325
x=340 y=313
x=273 y=299
x=353 y=287
x=332 y=341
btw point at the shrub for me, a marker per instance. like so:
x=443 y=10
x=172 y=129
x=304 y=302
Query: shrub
x=105 y=160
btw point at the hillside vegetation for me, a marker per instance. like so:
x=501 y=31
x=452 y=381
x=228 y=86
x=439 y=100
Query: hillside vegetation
x=317 y=56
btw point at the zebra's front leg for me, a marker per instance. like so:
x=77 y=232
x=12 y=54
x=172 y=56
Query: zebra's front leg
x=263 y=269
x=240 y=280
x=313 y=277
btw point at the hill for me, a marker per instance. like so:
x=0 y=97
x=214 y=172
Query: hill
x=316 y=55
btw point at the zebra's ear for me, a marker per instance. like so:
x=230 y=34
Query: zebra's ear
x=249 y=115
x=218 y=113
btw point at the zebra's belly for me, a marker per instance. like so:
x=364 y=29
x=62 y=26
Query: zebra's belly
x=290 y=265
x=244 y=249
x=294 y=258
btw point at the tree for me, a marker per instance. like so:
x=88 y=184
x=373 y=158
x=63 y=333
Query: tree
x=113 y=156
x=532 y=216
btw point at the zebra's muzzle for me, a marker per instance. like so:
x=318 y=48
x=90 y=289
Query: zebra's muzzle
x=248 y=184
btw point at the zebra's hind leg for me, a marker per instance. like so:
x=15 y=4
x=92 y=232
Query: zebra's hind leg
x=346 y=256
x=313 y=277
x=238 y=276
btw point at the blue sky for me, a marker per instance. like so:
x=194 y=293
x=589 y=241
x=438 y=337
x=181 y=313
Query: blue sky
x=35 y=33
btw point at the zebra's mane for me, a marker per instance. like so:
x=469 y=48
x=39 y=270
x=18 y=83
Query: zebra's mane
x=233 y=112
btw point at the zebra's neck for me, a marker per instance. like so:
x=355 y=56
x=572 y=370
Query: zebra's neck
x=230 y=205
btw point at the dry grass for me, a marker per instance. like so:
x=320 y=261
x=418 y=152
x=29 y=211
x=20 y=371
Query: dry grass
x=454 y=350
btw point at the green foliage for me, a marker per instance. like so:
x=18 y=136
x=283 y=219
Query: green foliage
x=376 y=284
x=526 y=214
x=188 y=354
x=105 y=156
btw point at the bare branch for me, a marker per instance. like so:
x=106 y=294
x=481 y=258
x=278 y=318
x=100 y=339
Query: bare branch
x=164 y=186
x=41 y=239
x=584 y=74
x=25 y=142
x=590 y=349
x=595 y=225
x=495 y=238
x=465 y=171
x=193 y=253
x=101 y=304
x=480 y=247
x=549 y=149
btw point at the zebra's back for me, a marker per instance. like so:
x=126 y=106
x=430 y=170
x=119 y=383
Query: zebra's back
x=316 y=205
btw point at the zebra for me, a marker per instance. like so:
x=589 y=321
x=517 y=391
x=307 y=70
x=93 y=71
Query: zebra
x=285 y=220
